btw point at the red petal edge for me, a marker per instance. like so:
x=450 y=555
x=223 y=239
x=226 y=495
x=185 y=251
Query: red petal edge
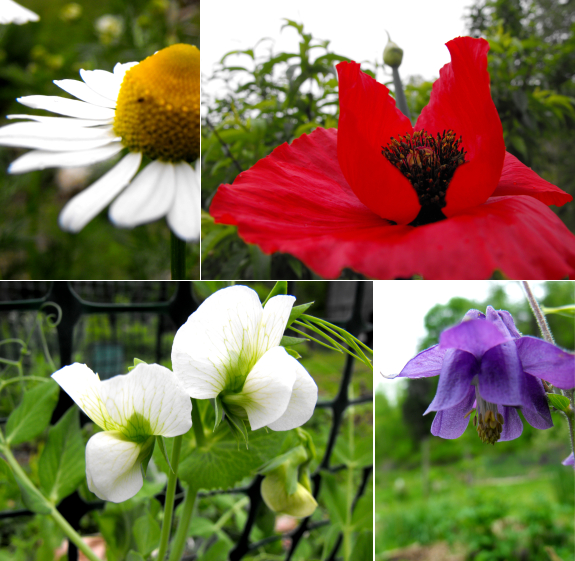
x=461 y=101
x=368 y=118
x=297 y=201
x=518 y=179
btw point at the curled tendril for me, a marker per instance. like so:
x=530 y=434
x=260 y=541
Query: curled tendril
x=50 y=321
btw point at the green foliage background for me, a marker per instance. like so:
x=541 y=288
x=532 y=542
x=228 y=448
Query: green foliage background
x=66 y=39
x=504 y=502
x=283 y=95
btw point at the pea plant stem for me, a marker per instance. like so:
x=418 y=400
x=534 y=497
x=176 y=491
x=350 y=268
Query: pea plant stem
x=62 y=523
x=182 y=532
x=347 y=532
x=169 y=502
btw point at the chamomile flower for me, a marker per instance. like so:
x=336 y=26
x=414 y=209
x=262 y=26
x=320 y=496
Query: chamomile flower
x=149 y=109
x=10 y=12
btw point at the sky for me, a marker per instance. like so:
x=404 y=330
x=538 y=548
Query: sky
x=399 y=309
x=356 y=29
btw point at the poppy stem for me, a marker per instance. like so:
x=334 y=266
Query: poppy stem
x=399 y=95
x=178 y=249
x=538 y=313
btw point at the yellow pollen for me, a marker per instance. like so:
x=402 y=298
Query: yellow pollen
x=158 y=107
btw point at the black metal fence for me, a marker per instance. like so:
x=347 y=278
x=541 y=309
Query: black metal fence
x=97 y=327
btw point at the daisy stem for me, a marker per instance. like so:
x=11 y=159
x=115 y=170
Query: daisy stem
x=538 y=313
x=47 y=506
x=169 y=501
x=178 y=248
x=182 y=532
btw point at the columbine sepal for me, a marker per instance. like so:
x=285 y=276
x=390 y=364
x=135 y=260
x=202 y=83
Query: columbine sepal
x=286 y=487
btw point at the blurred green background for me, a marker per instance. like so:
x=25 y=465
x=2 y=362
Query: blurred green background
x=462 y=499
x=68 y=37
x=531 y=64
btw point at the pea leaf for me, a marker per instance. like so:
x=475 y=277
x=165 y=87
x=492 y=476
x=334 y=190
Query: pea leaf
x=146 y=532
x=62 y=464
x=33 y=414
x=220 y=464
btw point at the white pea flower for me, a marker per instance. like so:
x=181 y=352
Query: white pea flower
x=10 y=12
x=229 y=348
x=131 y=409
x=150 y=112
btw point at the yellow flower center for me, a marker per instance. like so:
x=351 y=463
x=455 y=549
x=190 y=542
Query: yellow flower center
x=158 y=107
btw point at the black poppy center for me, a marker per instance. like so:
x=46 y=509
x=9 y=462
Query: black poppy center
x=429 y=163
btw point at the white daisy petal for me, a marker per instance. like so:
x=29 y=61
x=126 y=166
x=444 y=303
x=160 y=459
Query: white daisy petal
x=102 y=82
x=69 y=107
x=63 y=121
x=184 y=216
x=268 y=388
x=147 y=198
x=274 y=321
x=82 y=385
x=84 y=206
x=84 y=92
x=10 y=12
x=55 y=131
x=55 y=145
x=301 y=404
x=150 y=393
x=39 y=159
x=216 y=344
x=112 y=466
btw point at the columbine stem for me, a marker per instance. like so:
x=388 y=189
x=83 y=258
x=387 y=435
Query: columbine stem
x=169 y=501
x=178 y=248
x=182 y=532
x=63 y=524
x=537 y=312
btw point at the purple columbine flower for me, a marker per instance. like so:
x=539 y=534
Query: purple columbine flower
x=569 y=460
x=484 y=364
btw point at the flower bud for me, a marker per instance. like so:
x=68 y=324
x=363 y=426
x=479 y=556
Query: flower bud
x=392 y=54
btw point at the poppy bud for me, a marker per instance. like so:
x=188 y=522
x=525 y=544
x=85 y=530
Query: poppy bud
x=392 y=54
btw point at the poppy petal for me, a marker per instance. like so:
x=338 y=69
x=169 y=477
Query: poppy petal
x=368 y=118
x=297 y=201
x=517 y=179
x=461 y=101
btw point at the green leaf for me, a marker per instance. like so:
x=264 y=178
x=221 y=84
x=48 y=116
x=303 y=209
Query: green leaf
x=363 y=548
x=292 y=341
x=146 y=532
x=136 y=362
x=218 y=551
x=333 y=496
x=297 y=311
x=33 y=414
x=293 y=352
x=32 y=498
x=134 y=556
x=280 y=287
x=558 y=401
x=62 y=464
x=219 y=410
x=566 y=311
x=220 y=464
x=362 y=517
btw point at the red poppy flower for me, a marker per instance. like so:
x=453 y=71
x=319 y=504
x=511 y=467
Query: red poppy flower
x=442 y=199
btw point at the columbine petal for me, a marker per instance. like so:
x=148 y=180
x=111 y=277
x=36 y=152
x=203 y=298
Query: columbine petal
x=535 y=408
x=457 y=372
x=268 y=388
x=82 y=385
x=297 y=201
x=87 y=204
x=217 y=341
x=474 y=336
x=273 y=323
x=464 y=83
x=426 y=363
x=512 y=425
x=368 y=119
x=451 y=423
x=301 y=404
x=548 y=362
x=83 y=92
x=569 y=460
x=147 y=198
x=38 y=159
x=69 y=107
x=184 y=216
x=517 y=179
x=112 y=467
x=502 y=379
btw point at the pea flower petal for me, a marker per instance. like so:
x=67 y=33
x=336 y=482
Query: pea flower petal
x=131 y=409
x=229 y=347
x=10 y=12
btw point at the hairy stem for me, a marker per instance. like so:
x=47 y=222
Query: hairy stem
x=169 y=502
x=539 y=315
